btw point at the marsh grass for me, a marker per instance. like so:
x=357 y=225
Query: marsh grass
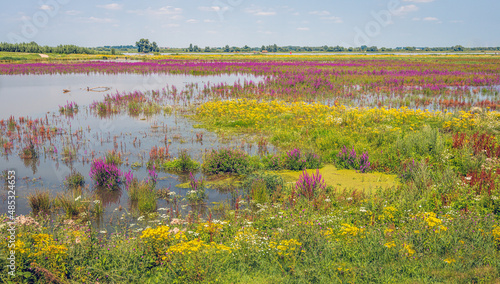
x=74 y=180
x=183 y=163
x=143 y=195
x=40 y=201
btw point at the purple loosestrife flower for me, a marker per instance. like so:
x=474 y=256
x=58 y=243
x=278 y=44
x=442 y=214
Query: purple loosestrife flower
x=308 y=185
x=104 y=174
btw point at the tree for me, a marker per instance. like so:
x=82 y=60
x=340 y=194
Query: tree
x=143 y=45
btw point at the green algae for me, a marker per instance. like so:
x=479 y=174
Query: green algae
x=341 y=179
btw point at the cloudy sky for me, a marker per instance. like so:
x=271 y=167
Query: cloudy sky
x=389 y=23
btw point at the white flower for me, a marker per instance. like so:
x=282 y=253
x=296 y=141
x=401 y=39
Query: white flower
x=103 y=232
x=327 y=200
x=97 y=201
x=494 y=197
x=140 y=218
x=162 y=209
x=171 y=193
x=131 y=225
x=362 y=209
x=78 y=198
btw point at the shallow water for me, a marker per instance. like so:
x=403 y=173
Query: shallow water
x=39 y=96
x=35 y=95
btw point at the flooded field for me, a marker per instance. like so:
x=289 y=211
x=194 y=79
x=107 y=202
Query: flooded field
x=83 y=135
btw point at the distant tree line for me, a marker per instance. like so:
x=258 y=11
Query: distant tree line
x=325 y=48
x=33 y=47
x=145 y=46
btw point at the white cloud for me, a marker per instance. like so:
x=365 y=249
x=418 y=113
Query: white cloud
x=319 y=13
x=210 y=9
x=46 y=8
x=416 y=19
x=172 y=25
x=430 y=19
x=403 y=10
x=302 y=29
x=166 y=10
x=259 y=12
x=97 y=20
x=208 y=21
x=112 y=6
x=192 y=21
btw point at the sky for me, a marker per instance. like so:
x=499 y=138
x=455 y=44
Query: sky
x=216 y=23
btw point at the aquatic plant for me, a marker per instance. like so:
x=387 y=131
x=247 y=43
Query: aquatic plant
x=226 y=160
x=105 y=174
x=196 y=193
x=69 y=109
x=39 y=202
x=74 y=179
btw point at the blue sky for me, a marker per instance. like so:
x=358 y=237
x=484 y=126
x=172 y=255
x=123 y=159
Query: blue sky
x=389 y=23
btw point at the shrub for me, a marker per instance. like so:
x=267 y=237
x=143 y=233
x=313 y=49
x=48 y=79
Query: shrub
x=226 y=161
x=104 y=174
x=183 y=163
x=271 y=182
x=273 y=162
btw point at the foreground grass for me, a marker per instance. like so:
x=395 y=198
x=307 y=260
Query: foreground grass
x=336 y=237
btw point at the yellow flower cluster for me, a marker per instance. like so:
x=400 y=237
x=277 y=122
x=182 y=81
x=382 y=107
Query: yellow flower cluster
x=158 y=234
x=210 y=228
x=350 y=230
x=285 y=247
x=390 y=245
x=431 y=220
x=196 y=245
x=388 y=213
x=265 y=114
x=495 y=233
x=449 y=260
x=407 y=250
x=44 y=245
x=188 y=247
x=465 y=120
